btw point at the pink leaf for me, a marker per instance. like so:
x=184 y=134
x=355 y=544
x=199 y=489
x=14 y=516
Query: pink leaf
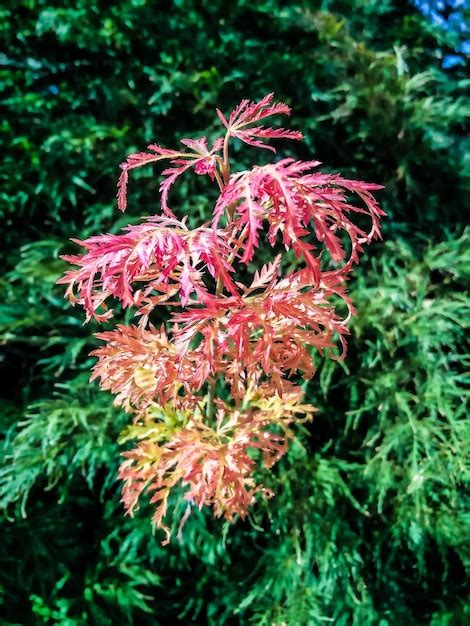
x=201 y=158
x=247 y=113
x=160 y=253
x=138 y=159
x=291 y=199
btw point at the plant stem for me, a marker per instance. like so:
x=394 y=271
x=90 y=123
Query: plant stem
x=226 y=164
x=210 y=399
x=219 y=180
x=222 y=182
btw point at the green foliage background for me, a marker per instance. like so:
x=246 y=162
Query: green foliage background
x=370 y=523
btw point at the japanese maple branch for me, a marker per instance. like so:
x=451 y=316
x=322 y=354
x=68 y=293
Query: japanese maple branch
x=226 y=164
x=225 y=171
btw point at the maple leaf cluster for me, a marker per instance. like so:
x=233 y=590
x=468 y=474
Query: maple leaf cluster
x=215 y=391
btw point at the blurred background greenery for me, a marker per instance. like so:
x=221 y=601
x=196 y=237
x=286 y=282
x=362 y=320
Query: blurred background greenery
x=370 y=524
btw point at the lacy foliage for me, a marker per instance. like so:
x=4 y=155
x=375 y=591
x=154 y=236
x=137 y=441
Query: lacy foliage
x=245 y=339
x=215 y=463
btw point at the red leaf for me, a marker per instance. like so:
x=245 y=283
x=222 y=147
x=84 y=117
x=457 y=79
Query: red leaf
x=247 y=113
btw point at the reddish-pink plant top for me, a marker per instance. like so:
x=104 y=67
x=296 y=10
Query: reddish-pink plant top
x=217 y=386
